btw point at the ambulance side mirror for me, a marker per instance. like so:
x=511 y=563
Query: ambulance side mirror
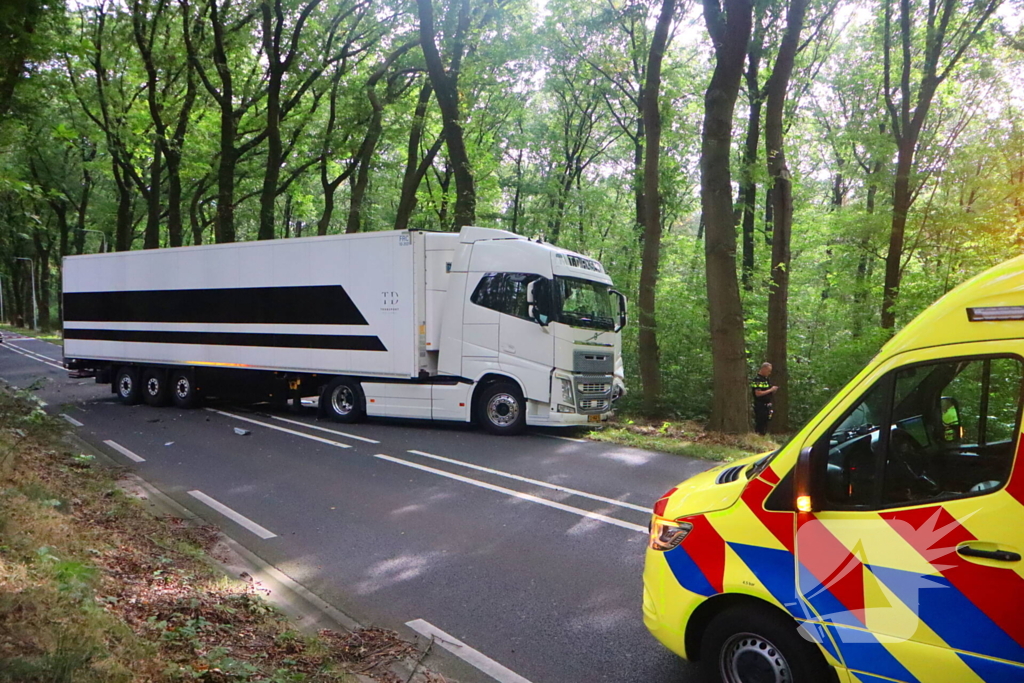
x=805 y=499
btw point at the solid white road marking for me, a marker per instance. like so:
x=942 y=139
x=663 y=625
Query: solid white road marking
x=465 y=652
x=232 y=515
x=72 y=420
x=536 y=482
x=124 y=451
x=281 y=429
x=518 y=494
x=323 y=429
x=563 y=438
x=30 y=356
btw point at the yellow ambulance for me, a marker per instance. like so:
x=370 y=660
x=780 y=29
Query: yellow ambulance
x=883 y=542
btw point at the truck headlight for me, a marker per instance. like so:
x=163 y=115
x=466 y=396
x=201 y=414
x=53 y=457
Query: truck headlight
x=567 y=396
x=666 y=534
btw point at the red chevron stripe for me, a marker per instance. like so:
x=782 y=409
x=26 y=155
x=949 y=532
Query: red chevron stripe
x=770 y=476
x=934 y=533
x=706 y=548
x=832 y=564
x=779 y=523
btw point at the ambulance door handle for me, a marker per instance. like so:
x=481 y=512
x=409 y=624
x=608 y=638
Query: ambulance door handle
x=1000 y=555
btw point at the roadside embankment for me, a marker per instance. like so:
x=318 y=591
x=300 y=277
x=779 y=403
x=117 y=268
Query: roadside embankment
x=95 y=589
x=682 y=438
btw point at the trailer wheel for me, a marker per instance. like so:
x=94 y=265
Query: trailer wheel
x=343 y=400
x=126 y=385
x=154 y=387
x=501 y=409
x=183 y=390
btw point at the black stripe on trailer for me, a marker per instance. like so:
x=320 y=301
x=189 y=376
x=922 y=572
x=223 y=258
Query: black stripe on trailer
x=334 y=342
x=304 y=305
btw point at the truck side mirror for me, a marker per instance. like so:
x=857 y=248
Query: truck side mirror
x=538 y=309
x=622 y=309
x=805 y=499
x=952 y=427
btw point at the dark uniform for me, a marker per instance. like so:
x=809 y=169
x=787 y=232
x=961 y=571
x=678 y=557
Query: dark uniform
x=762 y=404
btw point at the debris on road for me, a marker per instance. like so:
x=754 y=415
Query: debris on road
x=242 y=432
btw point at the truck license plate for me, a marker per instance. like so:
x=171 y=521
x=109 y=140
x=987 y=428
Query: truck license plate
x=593 y=418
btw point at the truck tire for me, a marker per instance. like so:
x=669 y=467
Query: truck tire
x=501 y=409
x=343 y=401
x=182 y=387
x=126 y=385
x=154 y=387
x=751 y=642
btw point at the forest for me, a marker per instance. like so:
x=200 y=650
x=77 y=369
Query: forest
x=782 y=180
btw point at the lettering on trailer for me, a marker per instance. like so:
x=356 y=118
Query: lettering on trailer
x=299 y=305
x=303 y=305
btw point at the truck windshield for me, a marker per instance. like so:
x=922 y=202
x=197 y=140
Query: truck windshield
x=584 y=303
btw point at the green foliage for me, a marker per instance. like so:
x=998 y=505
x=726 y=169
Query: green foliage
x=549 y=100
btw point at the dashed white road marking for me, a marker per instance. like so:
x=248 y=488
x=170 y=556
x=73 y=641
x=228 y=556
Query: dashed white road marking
x=72 y=420
x=535 y=482
x=465 y=652
x=323 y=429
x=280 y=429
x=124 y=451
x=30 y=356
x=563 y=438
x=34 y=353
x=240 y=519
x=518 y=494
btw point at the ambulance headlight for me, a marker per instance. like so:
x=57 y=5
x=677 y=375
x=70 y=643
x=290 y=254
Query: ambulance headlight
x=666 y=534
x=567 y=396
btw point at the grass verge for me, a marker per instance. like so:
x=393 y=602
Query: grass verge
x=52 y=337
x=683 y=438
x=94 y=589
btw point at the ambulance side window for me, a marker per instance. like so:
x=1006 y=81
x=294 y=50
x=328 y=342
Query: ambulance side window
x=927 y=432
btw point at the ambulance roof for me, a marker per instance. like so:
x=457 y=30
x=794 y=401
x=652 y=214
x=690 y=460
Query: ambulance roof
x=986 y=307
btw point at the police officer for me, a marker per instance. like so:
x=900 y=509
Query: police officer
x=763 y=390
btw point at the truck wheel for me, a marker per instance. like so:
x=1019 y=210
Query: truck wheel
x=754 y=643
x=343 y=400
x=501 y=409
x=126 y=385
x=154 y=387
x=183 y=389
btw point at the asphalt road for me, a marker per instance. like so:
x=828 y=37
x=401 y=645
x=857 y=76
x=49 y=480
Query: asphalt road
x=475 y=534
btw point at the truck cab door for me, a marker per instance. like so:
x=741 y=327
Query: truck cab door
x=526 y=347
x=912 y=557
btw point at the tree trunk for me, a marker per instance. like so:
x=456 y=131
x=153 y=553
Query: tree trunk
x=151 y=239
x=901 y=201
x=414 y=168
x=650 y=368
x=224 y=228
x=362 y=177
x=446 y=88
x=729 y=27
x=123 y=229
x=748 y=186
x=782 y=213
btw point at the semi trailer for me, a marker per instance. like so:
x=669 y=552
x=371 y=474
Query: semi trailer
x=481 y=325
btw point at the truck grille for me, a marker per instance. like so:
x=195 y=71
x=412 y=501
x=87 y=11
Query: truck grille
x=593 y=404
x=593 y=388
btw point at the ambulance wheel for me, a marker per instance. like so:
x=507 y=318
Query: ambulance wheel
x=501 y=409
x=154 y=387
x=754 y=643
x=126 y=385
x=343 y=401
x=183 y=390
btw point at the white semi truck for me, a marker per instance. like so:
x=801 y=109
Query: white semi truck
x=480 y=325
